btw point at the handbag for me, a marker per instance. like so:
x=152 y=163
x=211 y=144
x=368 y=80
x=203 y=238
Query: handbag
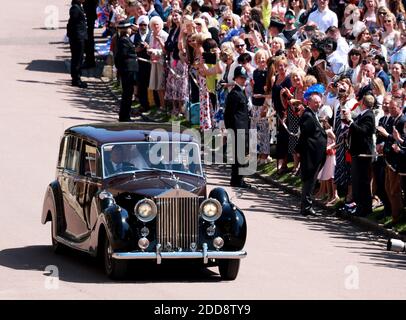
x=193 y=111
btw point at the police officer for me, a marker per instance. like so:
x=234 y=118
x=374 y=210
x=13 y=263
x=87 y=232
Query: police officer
x=236 y=119
x=127 y=65
x=77 y=33
x=90 y=7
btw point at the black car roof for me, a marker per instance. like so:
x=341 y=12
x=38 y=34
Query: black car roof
x=102 y=133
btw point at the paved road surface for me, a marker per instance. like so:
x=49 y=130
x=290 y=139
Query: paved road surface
x=289 y=257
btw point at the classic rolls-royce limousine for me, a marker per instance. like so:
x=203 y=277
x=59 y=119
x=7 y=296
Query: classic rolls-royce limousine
x=128 y=192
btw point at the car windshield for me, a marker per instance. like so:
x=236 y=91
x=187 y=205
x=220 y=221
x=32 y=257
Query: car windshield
x=122 y=158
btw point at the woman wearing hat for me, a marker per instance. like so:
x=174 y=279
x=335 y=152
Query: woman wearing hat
x=141 y=40
x=156 y=51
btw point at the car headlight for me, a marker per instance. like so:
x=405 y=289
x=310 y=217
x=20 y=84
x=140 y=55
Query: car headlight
x=105 y=195
x=145 y=210
x=210 y=210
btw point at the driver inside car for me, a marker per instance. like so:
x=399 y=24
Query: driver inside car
x=126 y=158
x=117 y=157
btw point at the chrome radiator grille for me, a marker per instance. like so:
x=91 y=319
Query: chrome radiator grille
x=177 y=222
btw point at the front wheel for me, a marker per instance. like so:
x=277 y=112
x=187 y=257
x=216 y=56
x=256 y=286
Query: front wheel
x=115 y=269
x=229 y=269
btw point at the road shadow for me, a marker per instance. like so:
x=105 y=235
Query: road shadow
x=266 y=199
x=96 y=103
x=78 y=267
x=39 y=82
x=50 y=66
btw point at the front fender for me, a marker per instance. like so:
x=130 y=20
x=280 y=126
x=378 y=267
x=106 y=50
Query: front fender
x=115 y=220
x=53 y=204
x=232 y=225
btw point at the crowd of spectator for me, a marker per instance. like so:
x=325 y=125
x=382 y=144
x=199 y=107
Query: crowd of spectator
x=184 y=53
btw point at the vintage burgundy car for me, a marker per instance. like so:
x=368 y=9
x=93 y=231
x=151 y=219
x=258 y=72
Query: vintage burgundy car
x=128 y=191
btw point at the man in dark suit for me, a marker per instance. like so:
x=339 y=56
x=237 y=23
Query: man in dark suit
x=141 y=42
x=361 y=148
x=77 y=33
x=312 y=146
x=236 y=119
x=379 y=165
x=381 y=69
x=392 y=178
x=119 y=159
x=127 y=65
x=90 y=7
x=151 y=7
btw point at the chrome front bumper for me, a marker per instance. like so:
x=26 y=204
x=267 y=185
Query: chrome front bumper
x=205 y=255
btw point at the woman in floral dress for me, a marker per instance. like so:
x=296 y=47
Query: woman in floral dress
x=259 y=111
x=177 y=89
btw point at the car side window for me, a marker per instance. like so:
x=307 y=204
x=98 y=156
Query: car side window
x=62 y=152
x=89 y=161
x=73 y=153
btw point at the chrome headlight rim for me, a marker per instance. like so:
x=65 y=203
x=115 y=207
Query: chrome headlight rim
x=216 y=216
x=152 y=213
x=105 y=195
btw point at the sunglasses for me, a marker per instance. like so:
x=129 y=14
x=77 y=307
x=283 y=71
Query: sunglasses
x=142 y=24
x=382 y=13
x=239 y=45
x=356 y=54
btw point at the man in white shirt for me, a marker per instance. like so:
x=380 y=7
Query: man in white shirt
x=323 y=16
x=342 y=45
x=336 y=60
x=240 y=48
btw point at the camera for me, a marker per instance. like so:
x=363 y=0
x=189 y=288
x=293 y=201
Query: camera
x=309 y=28
x=396 y=245
x=209 y=58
